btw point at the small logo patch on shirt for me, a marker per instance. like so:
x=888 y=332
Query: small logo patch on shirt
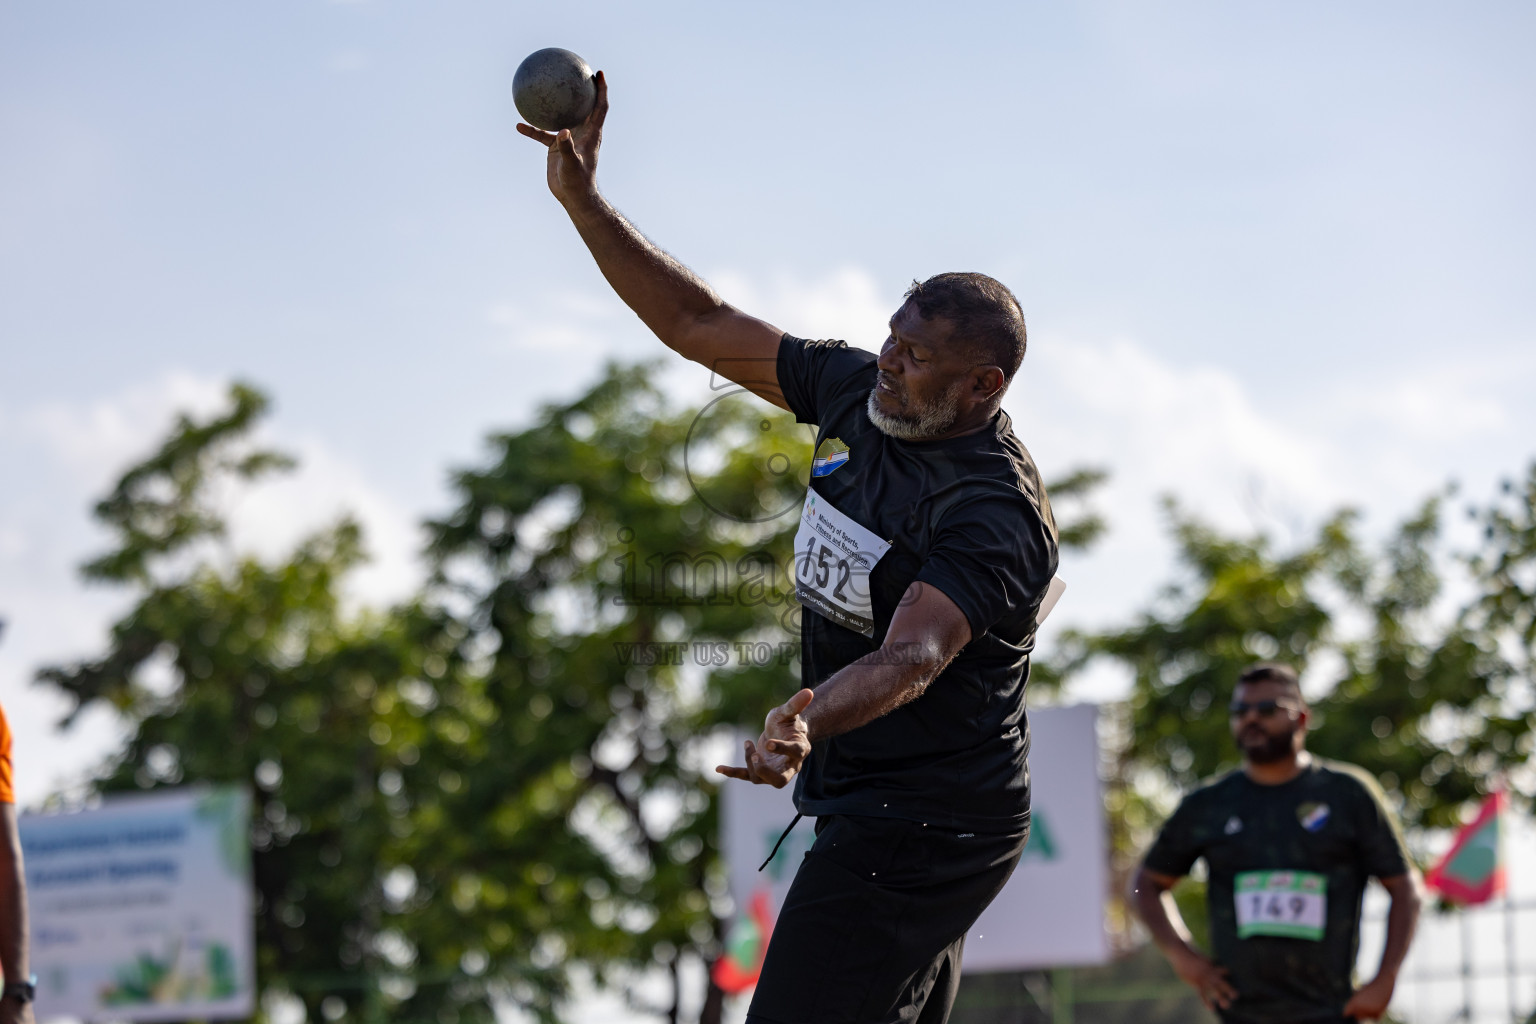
x=1312 y=816
x=831 y=455
x=1234 y=825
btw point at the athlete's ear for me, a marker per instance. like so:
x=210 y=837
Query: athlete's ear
x=987 y=382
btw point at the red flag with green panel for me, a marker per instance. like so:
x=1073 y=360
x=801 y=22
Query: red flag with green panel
x=745 y=946
x=1472 y=871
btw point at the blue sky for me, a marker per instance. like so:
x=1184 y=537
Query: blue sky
x=1274 y=258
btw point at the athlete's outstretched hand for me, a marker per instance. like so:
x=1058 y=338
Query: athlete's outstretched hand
x=573 y=151
x=781 y=750
x=1206 y=978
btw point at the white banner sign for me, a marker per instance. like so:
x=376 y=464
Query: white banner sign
x=141 y=908
x=1051 y=913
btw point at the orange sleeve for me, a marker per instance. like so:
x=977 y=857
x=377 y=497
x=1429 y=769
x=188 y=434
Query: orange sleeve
x=7 y=791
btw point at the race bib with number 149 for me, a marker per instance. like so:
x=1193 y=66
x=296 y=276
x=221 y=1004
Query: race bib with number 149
x=1291 y=904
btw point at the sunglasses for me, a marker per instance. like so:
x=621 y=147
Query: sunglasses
x=1264 y=708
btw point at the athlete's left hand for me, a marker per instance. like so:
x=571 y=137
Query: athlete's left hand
x=1370 y=1000
x=780 y=750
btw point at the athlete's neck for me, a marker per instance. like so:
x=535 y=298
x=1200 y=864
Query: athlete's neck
x=975 y=423
x=1276 y=772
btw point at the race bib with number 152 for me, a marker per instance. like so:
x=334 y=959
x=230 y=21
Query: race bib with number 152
x=833 y=559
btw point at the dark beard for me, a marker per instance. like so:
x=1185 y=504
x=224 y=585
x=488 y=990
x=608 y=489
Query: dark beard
x=1274 y=748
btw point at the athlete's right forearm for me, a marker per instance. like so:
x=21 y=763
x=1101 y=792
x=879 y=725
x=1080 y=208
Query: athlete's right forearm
x=13 y=899
x=1402 y=919
x=1153 y=903
x=1155 y=915
x=667 y=296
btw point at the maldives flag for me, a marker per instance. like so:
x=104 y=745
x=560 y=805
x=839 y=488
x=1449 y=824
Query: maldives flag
x=1472 y=871
x=745 y=945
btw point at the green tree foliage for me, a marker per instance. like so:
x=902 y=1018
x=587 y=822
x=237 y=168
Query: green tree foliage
x=1429 y=690
x=1071 y=494
x=506 y=782
x=608 y=561
x=1431 y=696
x=230 y=670
x=627 y=570
x=1505 y=573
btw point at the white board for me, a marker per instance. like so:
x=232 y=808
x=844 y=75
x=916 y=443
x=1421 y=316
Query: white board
x=1050 y=914
x=141 y=909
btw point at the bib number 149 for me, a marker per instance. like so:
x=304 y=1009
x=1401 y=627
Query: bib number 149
x=1291 y=904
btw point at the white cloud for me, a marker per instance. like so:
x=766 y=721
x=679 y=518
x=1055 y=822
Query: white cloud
x=573 y=323
x=271 y=519
x=71 y=453
x=1193 y=431
x=1434 y=408
x=1230 y=451
x=1451 y=402
x=847 y=303
x=1158 y=429
x=100 y=439
x=1246 y=460
x=575 y=330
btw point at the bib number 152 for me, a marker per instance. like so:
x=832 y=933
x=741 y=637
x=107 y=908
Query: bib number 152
x=820 y=566
x=834 y=556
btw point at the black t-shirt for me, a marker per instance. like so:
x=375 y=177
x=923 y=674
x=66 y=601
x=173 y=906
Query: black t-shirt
x=969 y=516
x=1330 y=821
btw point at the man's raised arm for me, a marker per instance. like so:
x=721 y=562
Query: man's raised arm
x=674 y=302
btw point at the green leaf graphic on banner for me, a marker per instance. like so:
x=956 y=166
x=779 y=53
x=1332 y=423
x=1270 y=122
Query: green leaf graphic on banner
x=1041 y=845
x=228 y=808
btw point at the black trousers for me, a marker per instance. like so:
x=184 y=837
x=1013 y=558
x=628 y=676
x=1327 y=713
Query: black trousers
x=1324 y=1018
x=874 y=924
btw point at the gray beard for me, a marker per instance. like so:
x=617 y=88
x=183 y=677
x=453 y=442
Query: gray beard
x=926 y=422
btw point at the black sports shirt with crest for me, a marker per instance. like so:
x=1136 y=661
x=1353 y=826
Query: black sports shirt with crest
x=1270 y=852
x=969 y=516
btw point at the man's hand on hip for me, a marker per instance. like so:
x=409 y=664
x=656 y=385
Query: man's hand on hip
x=573 y=151
x=779 y=752
x=13 y=1011
x=1370 y=1001
x=1206 y=978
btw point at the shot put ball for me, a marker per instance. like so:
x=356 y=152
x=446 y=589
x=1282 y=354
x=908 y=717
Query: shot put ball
x=554 y=89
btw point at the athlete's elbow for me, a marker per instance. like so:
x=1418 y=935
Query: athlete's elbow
x=916 y=662
x=1134 y=887
x=697 y=322
x=926 y=670
x=1408 y=892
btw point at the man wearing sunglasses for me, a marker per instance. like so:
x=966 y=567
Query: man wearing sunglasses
x=1289 y=841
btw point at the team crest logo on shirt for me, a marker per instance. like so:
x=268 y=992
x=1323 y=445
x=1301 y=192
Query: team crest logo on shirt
x=830 y=456
x=1312 y=816
x=1234 y=825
